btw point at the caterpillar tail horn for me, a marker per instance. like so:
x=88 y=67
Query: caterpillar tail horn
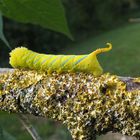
x=101 y=50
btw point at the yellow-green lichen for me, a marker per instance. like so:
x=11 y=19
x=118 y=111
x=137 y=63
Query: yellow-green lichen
x=88 y=105
x=137 y=80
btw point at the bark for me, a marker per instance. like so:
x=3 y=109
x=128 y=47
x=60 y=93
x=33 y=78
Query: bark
x=88 y=105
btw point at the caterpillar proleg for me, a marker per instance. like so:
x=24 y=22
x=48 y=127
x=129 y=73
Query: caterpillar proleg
x=21 y=57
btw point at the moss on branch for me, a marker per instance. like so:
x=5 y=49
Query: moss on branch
x=88 y=105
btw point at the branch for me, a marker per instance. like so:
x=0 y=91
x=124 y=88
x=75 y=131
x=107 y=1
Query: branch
x=88 y=105
x=134 y=20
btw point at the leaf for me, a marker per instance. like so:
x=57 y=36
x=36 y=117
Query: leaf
x=46 y=13
x=4 y=135
x=2 y=37
x=8 y=136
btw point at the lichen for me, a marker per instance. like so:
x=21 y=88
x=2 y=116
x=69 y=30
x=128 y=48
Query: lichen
x=137 y=80
x=88 y=105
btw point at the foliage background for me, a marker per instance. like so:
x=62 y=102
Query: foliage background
x=92 y=23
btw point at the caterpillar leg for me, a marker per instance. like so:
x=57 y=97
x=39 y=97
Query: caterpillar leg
x=59 y=71
x=49 y=71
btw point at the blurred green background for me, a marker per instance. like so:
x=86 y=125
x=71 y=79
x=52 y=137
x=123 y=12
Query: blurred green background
x=93 y=23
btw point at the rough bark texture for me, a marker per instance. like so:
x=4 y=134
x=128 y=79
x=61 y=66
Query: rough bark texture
x=88 y=105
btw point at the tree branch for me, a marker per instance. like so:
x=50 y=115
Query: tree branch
x=88 y=105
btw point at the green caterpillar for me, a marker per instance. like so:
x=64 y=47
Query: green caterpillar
x=23 y=58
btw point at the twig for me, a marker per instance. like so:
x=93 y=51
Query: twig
x=134 y=20
x=26 y=123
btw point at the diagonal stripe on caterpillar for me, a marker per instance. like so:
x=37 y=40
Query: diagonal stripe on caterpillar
x=23 y=58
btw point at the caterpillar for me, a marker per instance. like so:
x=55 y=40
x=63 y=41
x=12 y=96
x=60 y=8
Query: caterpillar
x=21 y=57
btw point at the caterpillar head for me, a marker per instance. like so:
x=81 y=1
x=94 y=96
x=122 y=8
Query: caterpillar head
x=16 y=55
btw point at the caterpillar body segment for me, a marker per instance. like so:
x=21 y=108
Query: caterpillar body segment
x=23 y=58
